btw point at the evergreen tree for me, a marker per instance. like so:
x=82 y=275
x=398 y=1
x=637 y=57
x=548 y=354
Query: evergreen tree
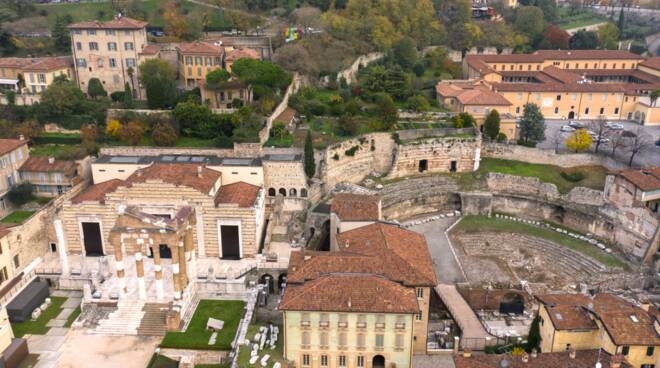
x=622 y=21
x=388 y=112
x=492 y=124
x=310 y=164
x=128 y=96
x=60 y=33
x=159 y=79
x=534 y=337
x=95 y=88
x=532 y=124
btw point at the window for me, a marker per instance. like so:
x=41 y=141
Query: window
x=188 y=60
x=517 y=109
x=324 y=321
x=42 y=78
x=573 y=96
x=400 y=322
x=93 y=46
x=305 y=339
x=31 y=77
x=199 y=71
x=112 y=62
x=380 y=321
x=128 y=46
x=100 y=63
x=556 y=110
x=130 y=63
x=398 y=341
x=360 y=341
x=116 y=79
x=648 y=366
x=324 y=360
x=304 y=320
x=305 y=360
x=17 y=261
x=586 y=110
x=208 y=61
x=558 y=97
x=343 y=320
x=360 y=361
x=323 y=339
x=616 y=111
x=342 y=361
x=418 y=316
x=78 y=46
x=198 y=60
x=3 y=275
x=91 y=32
x=109 y=32
x=603 y=97
x=380 y=341
x=602 y=110
x=112 y=46
x=77 y=31
x=420 y=293
x=625 y=350
x=650 y=350
x=342 y=339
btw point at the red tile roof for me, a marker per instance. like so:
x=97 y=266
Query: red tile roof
x=178 y=175
x=350 y=293
x=645 y=179
x=97 y=192
x=200 y=47
x=151 y=49
x=400 y=246
x=240 y=193
x=235 y=54
x=286 y=116
x=41 y=164
x=356 y=207
x=50 y=63
x=8 y=145
x=652 y=63
x=117 y=23
x=482 y=97
x=583 y=359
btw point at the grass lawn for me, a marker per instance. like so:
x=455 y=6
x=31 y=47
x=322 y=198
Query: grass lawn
x=197 y=337
x=72 y=317
x=594 y=175
x=275 y=355
x=483 y=223
x=17 y=217
x=279 y=142
x=59 y=151
x=39 y=327
x=579 y=18
x=160 y=361
x=194 y=142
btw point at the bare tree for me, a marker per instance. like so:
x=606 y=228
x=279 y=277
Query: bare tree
x=640 y=141
x=556 y=139
x=617 y=140
x=599 y=126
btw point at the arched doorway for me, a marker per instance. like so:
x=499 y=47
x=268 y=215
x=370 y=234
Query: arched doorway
x=281 y=281
x=378 y=361
x=512 y=303
x=292 y=192
x=282 y=191
x=272 y=192
x=303 y=193
x=571 y=115
x=267 y=280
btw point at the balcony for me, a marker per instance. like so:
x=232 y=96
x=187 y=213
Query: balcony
x=400 y=326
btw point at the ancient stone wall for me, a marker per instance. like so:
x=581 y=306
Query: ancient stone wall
x=548 y=157
x=419 y=196
x=285 y=174
x=350 y=73
x=435 y=155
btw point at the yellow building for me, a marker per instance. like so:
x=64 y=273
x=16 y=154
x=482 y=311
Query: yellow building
x=232 y=95
x=33 y=75
x=603 y=322
x=576 y=84
x=109 y=51
x=196 y=60
x=365 y=305
x=13 y=153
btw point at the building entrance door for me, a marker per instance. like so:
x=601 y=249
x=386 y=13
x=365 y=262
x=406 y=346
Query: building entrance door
x=230 y=242
x=92 y=238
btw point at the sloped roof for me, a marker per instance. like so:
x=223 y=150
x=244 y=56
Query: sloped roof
x=240 y=193
x=97 y=192
x=41 y=164
x=8 y=145
x=583 y=359
x=178 y=175
x=151 y=49
x=50 y=63
x=200 y=47
x=117 y=23
x=646 y=179
x=653 y=63
x=240 y=53
x=480 y=97
x=355 y=207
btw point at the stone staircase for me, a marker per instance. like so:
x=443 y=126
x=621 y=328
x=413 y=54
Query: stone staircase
x=125 y=320
x=153 y=322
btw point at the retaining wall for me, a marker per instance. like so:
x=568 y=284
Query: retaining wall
x=547 y=157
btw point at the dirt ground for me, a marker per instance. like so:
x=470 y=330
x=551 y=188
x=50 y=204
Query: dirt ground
x=81 y=350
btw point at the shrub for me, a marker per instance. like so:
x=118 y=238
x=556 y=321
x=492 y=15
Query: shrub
x=21 y=194
x=351 y=151
x=347 y=125
x=164 y=134
x=224 y=142
x=315 y=108
x=113 y=128
x=501 y=137
x=117 y=96
x=418 y=103
x=574 y=176
x=524 y=143
x=335 y=157
x=132 y=133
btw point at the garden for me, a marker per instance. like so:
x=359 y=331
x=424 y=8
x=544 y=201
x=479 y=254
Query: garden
x=39 y=326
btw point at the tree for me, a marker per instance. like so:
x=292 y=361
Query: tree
x=279 y=130
x=217 y=79
x=617 y=140
x=492 y=124
x=584 y=40
x=468 y=120
x=405 y=53
x=622 y=21
x=62 y=97
x=95 y=88
x=28 y=129
x=159 y=79
x=579 y=141
x=608 y=35
x=529 y=21
x=310 y=163
x=391 y=80
x=261 y=73
x=418 y=103
x=347 y=125
x=127 y=96
x=637 y=142
x=654 y=97
x=459 y=21
x=200 y=121
x=164 y=134
x=60 y=33
x=88 y=134
x=532 y=124
x=132 y=133
x=113 y=128
x=534 y=336
x=557 y=139
x=556 y=37
x=21 y=194
x=388 y=112
x=599 y=127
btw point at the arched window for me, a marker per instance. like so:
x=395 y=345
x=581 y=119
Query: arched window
x=292 y=192
x=303 y=192
x=282 y=192
x=271 y=192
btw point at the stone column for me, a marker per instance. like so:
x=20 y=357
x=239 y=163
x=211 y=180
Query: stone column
x=182 y=265
x=189 y=250
x=119 y=264
x=61 y=247
x=175 y=272
x=199 y=222
x=139 y=269
x=158 y=270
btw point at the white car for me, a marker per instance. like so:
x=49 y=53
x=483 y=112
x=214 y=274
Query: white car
x=566 y=128
x=615 y=126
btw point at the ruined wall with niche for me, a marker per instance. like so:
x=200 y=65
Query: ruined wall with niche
x=435 y=155
x=419 y=196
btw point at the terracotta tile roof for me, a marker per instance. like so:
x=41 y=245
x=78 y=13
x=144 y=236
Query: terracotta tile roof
x=41 y=164
x=240 y=193
x=15 y=62
x=448 y=89
x=652 y=63
x=151 y=49
x=350 y=293
x=482 y=97
x=645 y=179
x=399 y=246
x=286 y=116
x=178 y=175
x=561 y=75
x=240 y=53
x=570 y=317
x=50 y=63
x=583 y=359
x=117 y=23
x=572 y=87
x=356 y=207
x=8 y=145
x=97 y=192
x=200 y=47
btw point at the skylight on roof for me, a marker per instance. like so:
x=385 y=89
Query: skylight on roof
x=124 y=159
x=168 y=158
x=197 y=159
x=183 y=158
x=558 y=315
x=634 y=318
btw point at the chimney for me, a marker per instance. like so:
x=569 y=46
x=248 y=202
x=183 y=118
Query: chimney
x=199 y=171
x=21 y=137
x=525 y=357
x=51 y=160
x=467 y=352
x=616 y=360
x=534 y=353
x=571 y=353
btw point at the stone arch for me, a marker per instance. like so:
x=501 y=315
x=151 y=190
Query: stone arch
x=303 y=192
x=272 y=192
x=293 y=192
x=268 y=280
x=282 y=192
x=281 y=281
x=512 y=303
x=378 y=361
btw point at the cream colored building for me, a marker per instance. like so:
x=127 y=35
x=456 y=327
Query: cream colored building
x=357 y=307
x=32 y=76
x=196 y=60
x=108 y=51
x=349 y=211
x=13 y=153
x=575 y=321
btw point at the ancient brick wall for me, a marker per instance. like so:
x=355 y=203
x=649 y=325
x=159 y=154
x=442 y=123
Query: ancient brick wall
x=418 y=196
x=548 y=157
x=284 y=174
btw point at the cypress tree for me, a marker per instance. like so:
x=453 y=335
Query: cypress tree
x=621 y=22
x=128 y=96
x=310 y=164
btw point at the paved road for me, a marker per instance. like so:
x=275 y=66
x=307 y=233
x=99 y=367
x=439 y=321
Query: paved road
x=446 y=265
x=650 y=157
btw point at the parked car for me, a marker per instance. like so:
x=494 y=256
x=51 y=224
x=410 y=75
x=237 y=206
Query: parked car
x=566 y=128
x=575 y=124
x=614 y=126
x=604 y=140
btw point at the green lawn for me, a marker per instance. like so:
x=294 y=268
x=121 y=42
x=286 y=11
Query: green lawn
x=580 y=18
x=279 y=142
x=17 y=217
x=59 y=151
x=160 y=361
x=594 y=175
x=483 y=223
x=275 y=355
x=38 y=327
x=72 y=317
x=197 y=337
